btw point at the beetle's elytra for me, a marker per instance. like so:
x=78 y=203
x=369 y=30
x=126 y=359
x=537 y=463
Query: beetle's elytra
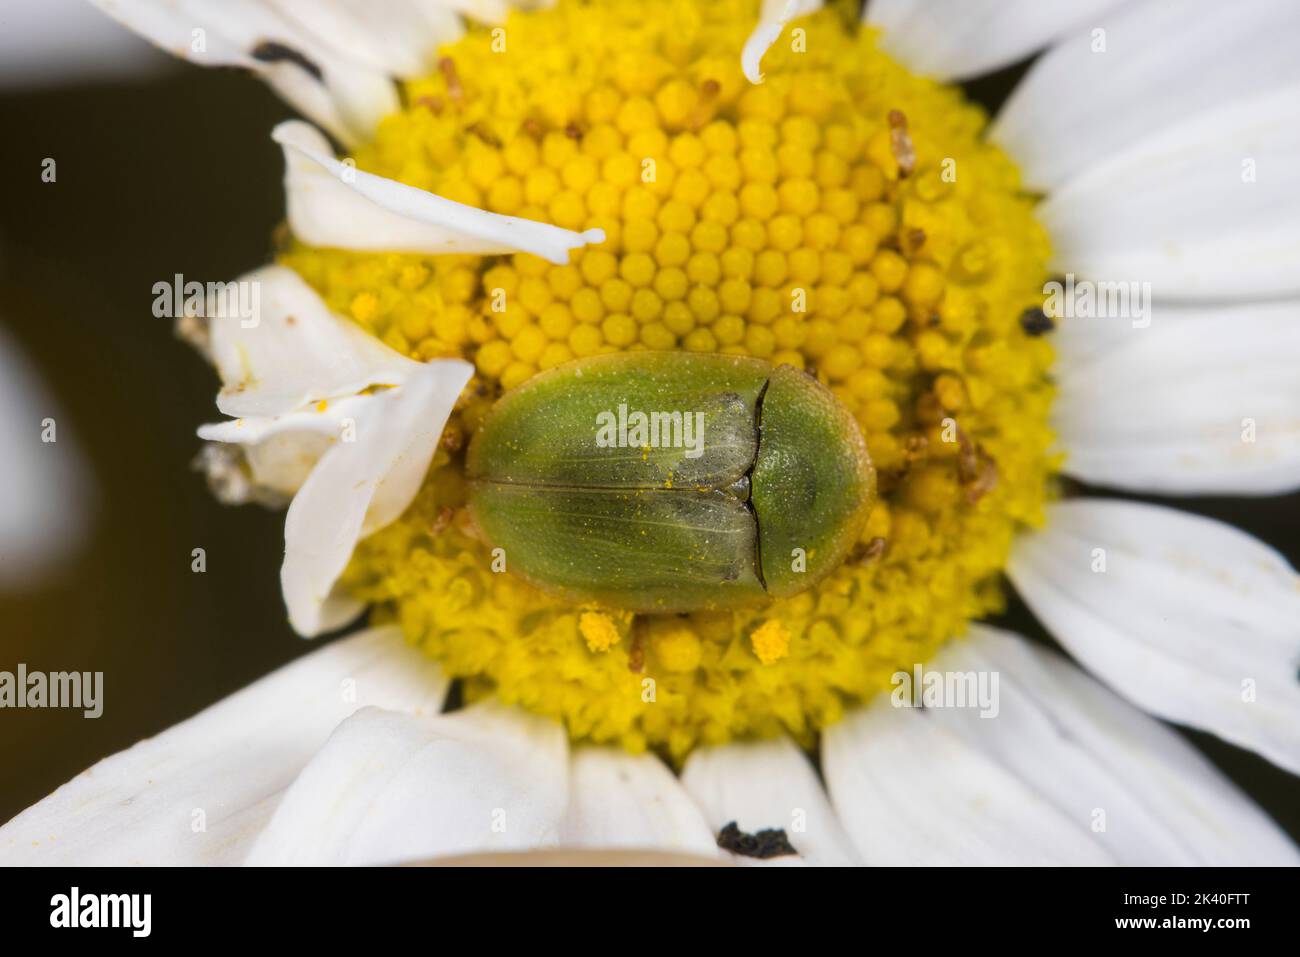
x=670 y=482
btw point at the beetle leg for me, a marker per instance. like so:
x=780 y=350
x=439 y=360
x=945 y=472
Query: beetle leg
x=442 y=520
x=636 y=654
x=872 y=551
x=976 y=469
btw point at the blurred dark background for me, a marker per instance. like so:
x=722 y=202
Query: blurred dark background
x=173 y=171
x=170 y=173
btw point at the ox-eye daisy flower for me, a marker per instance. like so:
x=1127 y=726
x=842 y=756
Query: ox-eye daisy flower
x=548 y=184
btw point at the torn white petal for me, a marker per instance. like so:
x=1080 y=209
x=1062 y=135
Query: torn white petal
x=333 y=417
x=230 y=478
x=335 y=204
x=360 y=485
x=280 y=451
x=771 y=21
x=294 y=351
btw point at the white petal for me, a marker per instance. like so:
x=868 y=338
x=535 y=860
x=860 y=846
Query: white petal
x=909 y=791
x=491 y=11
x=230 y=762
x=772 y=19
x=332 y=204
x=360 y=486
x=293 y=351
x=352 y=462
x=231 y=479
x=398 y=37
x=1147 y=796
x=389 y=788
x=1204 y=401
x=46 y=489
x=1163 y=64
x=768 y=784
x=1191 y=619
x=1181 y=211
x=620 y=800
x=957 y=39
x=1082 y=339
x=281 y=451
x=345 y=97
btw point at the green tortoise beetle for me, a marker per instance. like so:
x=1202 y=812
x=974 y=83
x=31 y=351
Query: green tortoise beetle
x=670 y=482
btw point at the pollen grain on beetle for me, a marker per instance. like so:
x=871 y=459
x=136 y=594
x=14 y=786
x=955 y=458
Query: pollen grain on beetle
x=817 y=220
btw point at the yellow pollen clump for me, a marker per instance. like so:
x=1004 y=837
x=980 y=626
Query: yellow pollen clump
x=598 y=631
x=675 y=644
x=844 y=217
x=771 y=642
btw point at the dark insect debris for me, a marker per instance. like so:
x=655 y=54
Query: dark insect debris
x=770 y=842
x=272 y=51
x=1036 y=322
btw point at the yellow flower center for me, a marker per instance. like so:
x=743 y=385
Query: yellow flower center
x=845 y=217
